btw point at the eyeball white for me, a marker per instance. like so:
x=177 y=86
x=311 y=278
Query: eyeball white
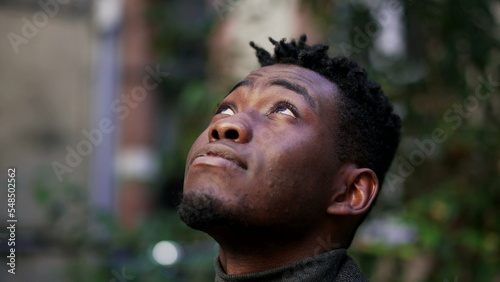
x=285 y=111
x=227 y=111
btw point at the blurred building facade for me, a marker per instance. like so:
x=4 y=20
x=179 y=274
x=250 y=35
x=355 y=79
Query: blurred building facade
x=45 y=102
x=76 y=97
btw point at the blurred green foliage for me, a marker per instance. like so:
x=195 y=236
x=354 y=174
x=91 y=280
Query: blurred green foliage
x=452 y=197
x=97 y=248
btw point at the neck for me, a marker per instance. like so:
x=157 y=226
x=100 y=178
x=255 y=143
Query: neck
x=255 y=253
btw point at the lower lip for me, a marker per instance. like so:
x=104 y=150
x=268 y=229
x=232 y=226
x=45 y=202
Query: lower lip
x=215 y=161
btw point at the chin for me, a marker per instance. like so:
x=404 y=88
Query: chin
x=210 y=214
x=207 y=213
x=198 y=211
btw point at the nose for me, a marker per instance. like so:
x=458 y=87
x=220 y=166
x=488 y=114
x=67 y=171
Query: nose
x=232 y=128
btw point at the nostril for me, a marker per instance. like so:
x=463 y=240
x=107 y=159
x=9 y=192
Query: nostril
x=215 y=134
x=231 y=134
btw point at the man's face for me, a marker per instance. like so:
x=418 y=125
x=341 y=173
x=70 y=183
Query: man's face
x=267 y=159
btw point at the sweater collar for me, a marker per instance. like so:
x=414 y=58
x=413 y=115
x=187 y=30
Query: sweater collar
x=328 y=266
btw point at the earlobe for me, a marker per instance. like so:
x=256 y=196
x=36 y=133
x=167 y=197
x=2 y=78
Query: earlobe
x=359 y=189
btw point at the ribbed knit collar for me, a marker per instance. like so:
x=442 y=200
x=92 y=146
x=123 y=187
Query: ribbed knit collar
x=334 y=265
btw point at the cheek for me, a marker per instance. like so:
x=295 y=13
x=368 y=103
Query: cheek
x=198 y=143
x=305 y=155
x=297 y=172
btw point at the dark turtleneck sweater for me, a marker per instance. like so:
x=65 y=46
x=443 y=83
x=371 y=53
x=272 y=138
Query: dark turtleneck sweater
x=334 y=265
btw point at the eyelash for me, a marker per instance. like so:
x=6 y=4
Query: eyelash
x=222 y=106
x=275 y=107
x=285 y=104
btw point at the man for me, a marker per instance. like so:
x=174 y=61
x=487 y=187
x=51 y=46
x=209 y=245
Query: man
x=289 y=166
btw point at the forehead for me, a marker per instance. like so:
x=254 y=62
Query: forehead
x=318 y=86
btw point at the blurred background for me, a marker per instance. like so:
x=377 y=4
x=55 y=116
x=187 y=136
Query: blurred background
x=101 y=100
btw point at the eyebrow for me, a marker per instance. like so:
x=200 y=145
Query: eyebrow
x=280 y=82
x=239 y=84
x=295 y=88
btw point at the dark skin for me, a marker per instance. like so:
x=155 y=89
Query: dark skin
x=268 y=158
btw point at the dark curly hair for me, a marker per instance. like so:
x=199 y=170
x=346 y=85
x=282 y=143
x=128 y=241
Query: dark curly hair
x=368 y=128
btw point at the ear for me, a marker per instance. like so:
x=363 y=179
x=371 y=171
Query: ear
x=355 y=191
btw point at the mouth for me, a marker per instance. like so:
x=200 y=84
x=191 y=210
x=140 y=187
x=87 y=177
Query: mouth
x=218 y=156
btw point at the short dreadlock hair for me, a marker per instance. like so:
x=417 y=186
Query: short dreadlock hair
x=367 y=126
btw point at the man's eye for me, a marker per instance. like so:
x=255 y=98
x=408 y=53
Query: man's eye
x=285 y=108
x=224 y=110
x=285 y=111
